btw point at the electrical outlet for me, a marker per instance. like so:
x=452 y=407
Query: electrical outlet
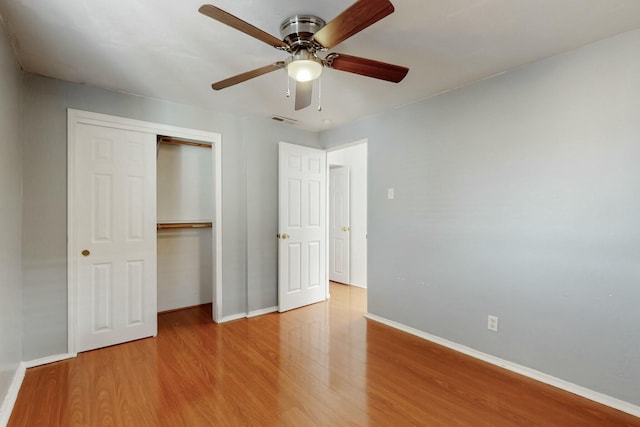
x=492 y=323
x=390 y=194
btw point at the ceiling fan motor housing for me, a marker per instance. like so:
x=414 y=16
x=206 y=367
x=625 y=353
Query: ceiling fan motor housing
x=298 y=31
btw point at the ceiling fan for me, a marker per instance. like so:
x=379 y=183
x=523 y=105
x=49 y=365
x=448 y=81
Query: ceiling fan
x=303 y=36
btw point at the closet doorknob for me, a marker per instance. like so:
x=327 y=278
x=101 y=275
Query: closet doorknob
x=85 y=252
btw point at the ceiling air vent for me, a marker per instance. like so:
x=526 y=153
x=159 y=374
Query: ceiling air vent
x=286 y=120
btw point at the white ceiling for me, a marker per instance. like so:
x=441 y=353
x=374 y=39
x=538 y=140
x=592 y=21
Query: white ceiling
x=165 y=49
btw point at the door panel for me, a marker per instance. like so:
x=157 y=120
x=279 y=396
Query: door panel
x=102 y=297
x=302 y=226
x=294 y=261
x=314 y=264
x=135 y=209
x=115 y=208
x=101 y=208
x=135 y=292
x=294 y=218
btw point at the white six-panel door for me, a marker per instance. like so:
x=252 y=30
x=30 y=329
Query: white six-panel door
x=302 y=226
x=115 y=211
x=339 y=225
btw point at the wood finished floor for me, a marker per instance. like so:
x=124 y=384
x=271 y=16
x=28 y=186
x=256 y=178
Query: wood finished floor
x=320 y=365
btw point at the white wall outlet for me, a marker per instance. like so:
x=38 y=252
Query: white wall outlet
x=390 y=193
x=492 y=323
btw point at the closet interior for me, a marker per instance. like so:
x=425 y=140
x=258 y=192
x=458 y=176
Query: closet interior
x=185 y=223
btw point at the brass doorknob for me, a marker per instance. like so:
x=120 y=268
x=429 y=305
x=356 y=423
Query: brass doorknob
x=282 y=236
x=345 y=228
x=86 y=252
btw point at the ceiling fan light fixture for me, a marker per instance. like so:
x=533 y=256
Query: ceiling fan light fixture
x=304 y=66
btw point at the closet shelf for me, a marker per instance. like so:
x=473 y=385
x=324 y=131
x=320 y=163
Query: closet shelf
x=176 y=141
x=171 y=225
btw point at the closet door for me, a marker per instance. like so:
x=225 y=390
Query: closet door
x=115 y=211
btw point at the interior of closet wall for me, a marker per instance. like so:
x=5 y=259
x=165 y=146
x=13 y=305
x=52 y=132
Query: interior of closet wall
x=185 y=213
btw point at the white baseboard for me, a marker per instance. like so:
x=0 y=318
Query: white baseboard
x=261 y=312
x=595 y=396
x=16 y=383
x=49 y=359
x=358 y=285
x=12 y=394
x=233 y=317
x=253 y=313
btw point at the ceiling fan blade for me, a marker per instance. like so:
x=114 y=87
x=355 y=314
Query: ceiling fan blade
x=304 y=90
x=354 y=19
x=246 y=76
x=240 y=25
x=366 y=67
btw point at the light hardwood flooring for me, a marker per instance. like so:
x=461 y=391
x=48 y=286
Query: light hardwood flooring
x=320 y=365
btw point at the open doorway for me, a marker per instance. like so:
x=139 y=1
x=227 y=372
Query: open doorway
x=185 y=182
x=347 y=222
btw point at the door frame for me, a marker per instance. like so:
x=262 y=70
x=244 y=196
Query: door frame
x=338 y=148
x=332 y=167
x=75 y=117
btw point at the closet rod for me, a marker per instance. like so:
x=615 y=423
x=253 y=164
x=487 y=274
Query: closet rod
x=170 y=225
x=175 y=141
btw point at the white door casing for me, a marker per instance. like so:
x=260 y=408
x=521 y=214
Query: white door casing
x=302 y=226
x=115 y=193
x=339 y=224
x=76 y=118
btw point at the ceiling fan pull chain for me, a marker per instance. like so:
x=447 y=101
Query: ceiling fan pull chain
x=288 y=87
x=320 y=94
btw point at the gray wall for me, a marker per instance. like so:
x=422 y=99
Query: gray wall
x=10 y=212
x=517 y=196
x=262 y=137
x=44 y=237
